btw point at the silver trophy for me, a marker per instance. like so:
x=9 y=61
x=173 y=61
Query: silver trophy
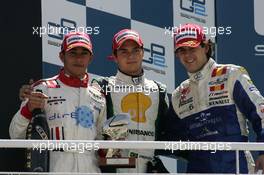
x=116 y=128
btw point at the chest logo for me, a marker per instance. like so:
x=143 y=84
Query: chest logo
x=136 y=105
x=84 y=116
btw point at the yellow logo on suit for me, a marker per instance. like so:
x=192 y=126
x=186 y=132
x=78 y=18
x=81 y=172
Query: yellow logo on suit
x=136 y=105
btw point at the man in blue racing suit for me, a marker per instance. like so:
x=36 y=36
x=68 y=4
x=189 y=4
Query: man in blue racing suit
x=213 y=105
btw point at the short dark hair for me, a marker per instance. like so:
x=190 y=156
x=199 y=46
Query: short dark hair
x=211 y=46
x=114 y=52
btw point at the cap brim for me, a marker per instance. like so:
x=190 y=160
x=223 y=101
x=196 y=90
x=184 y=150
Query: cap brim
x=84 y=45
x=190 y=43
x=128 y=38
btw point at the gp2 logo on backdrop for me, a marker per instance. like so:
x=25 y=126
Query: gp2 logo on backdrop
x=57 y=31
x=157 y=55
x=259 y=25
x=194 y=6
x=64 y=24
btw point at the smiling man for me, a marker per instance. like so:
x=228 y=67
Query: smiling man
x=214 y=104
x=144 y=101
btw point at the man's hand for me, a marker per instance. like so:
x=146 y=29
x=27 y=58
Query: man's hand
x=36 y=100
x=260 y=164
x=25 y=90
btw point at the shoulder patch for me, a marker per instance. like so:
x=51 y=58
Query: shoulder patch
x=100 y=84
x=96 y=94
x=239 y=69
x=50 y=82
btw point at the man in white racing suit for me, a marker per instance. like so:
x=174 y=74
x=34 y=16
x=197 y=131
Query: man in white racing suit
x=214 y=105
x=129 y=91
x=74 y=110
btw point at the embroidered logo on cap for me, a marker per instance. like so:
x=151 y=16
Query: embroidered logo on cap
x=73 y=39
x=127 y=34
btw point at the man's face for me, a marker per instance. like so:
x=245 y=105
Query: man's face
x=129 y=58
x=192 y=58
x=76 y=61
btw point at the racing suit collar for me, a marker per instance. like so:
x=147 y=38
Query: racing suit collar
x=72 y=81
x=204 y=72
x=128 y=79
